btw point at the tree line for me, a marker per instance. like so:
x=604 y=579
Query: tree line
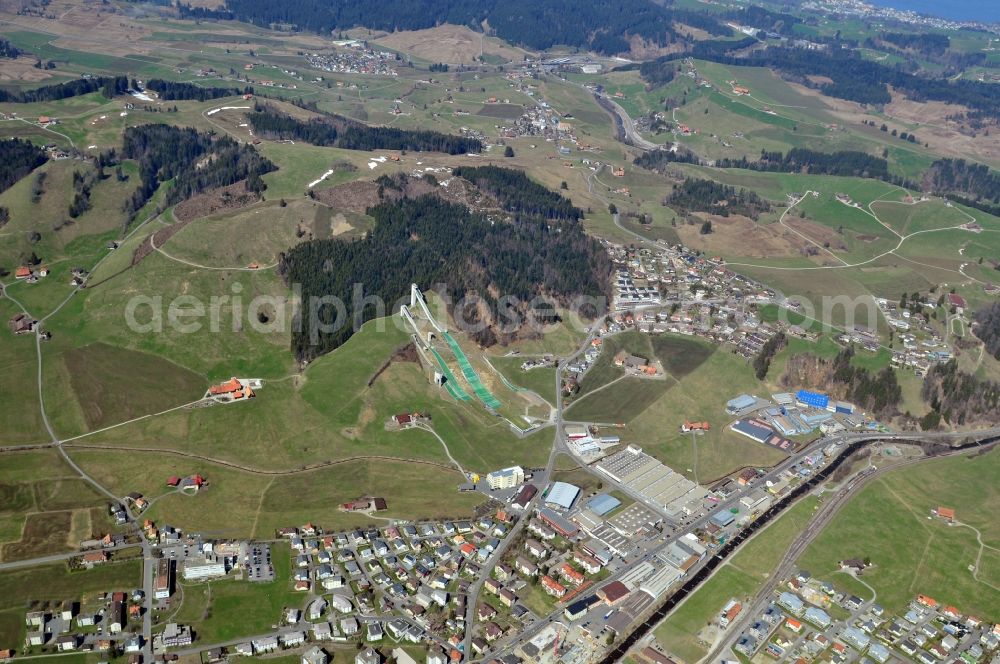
x=8 y=50
x=853 y=77
x=166 y=152
x=697 y=195
x=430 y=241
x=109 y=86
x=959 y=398
x=175 y=90
x=18 y=157
x=762 y=361
x=599 y=26
x=803 y=160
x=341 y=132
x=969 y=183
x=516 y=192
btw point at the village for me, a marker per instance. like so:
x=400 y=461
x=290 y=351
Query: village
x=808 y=619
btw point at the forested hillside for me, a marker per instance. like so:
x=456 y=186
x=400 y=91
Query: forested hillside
x=516 y=192
x=975 y=184
x=961 y=398
x=341 y=132
x=181 y=154
x=17 y=159
x=987 y=328
x=601 y=26
x=695 y=195
x=109 y=86
x=428 y=241
x=170 y=90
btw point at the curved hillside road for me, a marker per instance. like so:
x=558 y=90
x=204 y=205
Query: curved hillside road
x=209 y=267
x=902 y=240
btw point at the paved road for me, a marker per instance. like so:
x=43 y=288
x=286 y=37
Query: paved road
x=845 y=438
x=826 y=512
x=59 y=557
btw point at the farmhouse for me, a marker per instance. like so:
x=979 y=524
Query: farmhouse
x=366 y=504
x=946 y=513
x=22 y=323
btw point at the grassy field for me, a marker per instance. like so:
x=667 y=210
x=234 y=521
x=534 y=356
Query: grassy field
x=888 y=522
x=228 y=609
x=541 y=380
x=242 y=504
x=738 y=579
x=44 y=506
x=699 y=396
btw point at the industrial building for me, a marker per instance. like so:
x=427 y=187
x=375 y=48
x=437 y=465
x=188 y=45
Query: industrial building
x=201 y=569
x=753 y=429
x=741 y=402
x=562 y=494
x=723 y=518
x=508 y=478
x=603 y=504
x=676 y=495
x=562 y=526
x=808 y=398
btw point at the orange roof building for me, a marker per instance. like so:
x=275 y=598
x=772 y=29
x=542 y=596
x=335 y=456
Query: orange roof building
x=929 y=602
x=552 y=586
x=230 y=386
x=946 y=513
x=232 y=389
x=22 y=272
x=571 y=575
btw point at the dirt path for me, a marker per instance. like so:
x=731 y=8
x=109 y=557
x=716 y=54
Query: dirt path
x=259 y=471
x=429 y=429
x=902 y=240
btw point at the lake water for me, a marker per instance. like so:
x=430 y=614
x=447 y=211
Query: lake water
x=957 y=10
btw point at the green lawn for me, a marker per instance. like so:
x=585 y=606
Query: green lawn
x=888 y=522
x=240 y=608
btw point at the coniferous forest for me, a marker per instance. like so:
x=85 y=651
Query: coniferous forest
x=429 y=241
x=696 y=195
x=167 y=152
x=537 y=25
x=109 y=86
x=175 y=90
x=18 y=158
x=517 y=193
x=341 y=132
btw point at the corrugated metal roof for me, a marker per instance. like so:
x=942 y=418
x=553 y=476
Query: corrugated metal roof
x=603 y=503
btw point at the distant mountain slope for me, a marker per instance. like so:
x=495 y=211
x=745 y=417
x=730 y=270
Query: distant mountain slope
x=604 y=27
